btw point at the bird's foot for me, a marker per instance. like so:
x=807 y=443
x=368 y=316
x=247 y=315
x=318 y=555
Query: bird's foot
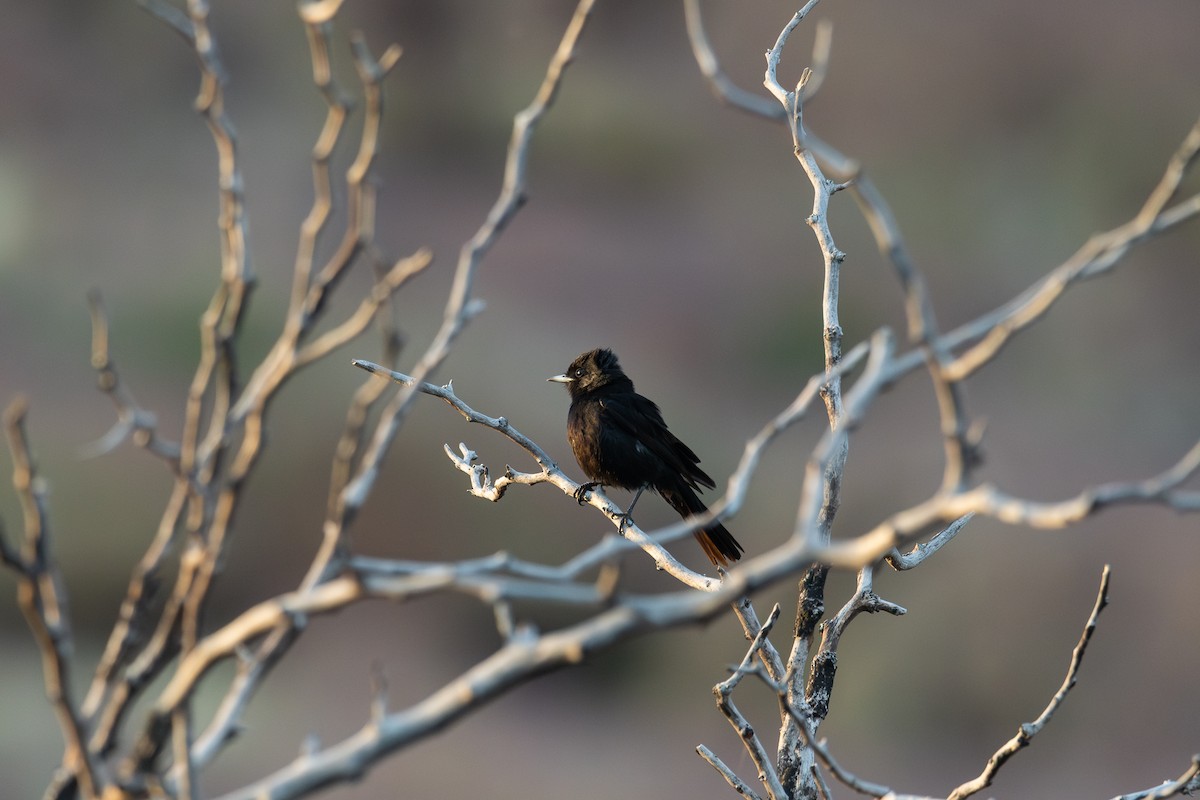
x=584 y=488
x=625 y=521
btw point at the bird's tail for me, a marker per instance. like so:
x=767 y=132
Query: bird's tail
x=718 y=543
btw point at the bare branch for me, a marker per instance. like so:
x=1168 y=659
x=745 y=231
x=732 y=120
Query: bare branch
x=723 y=693
x=171 y=16
x=735 y=783
x=987 y=500
x=133 y=421
x=1180 y=163
x=796 y=710
x=367 y=311
x=820 y=748
x=723 y=86
x=822 y=47
x=818 y=688
x=863 y=600
x=1188 y=783
x=728 y=92
x=523 y=656
x=209 y=398
x=10 y=557
x=447 y=394
x=771 y=81
x=904 y=561
x=43 y=602
x=287 y=356
x=992 y=331
x=212 y=493
x=815 y=522
x=113 y=687
x=461 y=306
x=1030 y=729
x=1098 y=255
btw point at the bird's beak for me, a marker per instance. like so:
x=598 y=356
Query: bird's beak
x=561 y=379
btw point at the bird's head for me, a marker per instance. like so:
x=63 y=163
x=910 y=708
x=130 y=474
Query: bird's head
x=593 y=370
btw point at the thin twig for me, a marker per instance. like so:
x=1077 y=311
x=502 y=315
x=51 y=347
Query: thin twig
x=904 y=526
x=1030 y=729
x=905 y=561
x=1188 y=783
x=1097 y=256
x=43 y=602
x=133 y=421
x=731 y=777
x=750 y=740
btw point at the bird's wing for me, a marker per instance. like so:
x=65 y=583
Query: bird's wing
x=639 y=417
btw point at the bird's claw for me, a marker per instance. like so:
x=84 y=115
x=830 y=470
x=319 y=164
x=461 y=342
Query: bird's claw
x=580 y=493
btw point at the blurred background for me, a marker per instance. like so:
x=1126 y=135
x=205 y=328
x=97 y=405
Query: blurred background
x=671 y=229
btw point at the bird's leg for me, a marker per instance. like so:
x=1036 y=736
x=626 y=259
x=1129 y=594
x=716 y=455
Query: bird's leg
x=584 y=488
x=624 y=517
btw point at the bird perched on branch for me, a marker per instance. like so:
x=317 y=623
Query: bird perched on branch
x=620 y=439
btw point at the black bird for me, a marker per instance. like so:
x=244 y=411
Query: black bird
x=620 y=439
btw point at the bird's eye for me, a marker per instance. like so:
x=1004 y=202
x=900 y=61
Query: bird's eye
x=579 y=372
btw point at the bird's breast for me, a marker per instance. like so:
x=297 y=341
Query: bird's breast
x=606 y=452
